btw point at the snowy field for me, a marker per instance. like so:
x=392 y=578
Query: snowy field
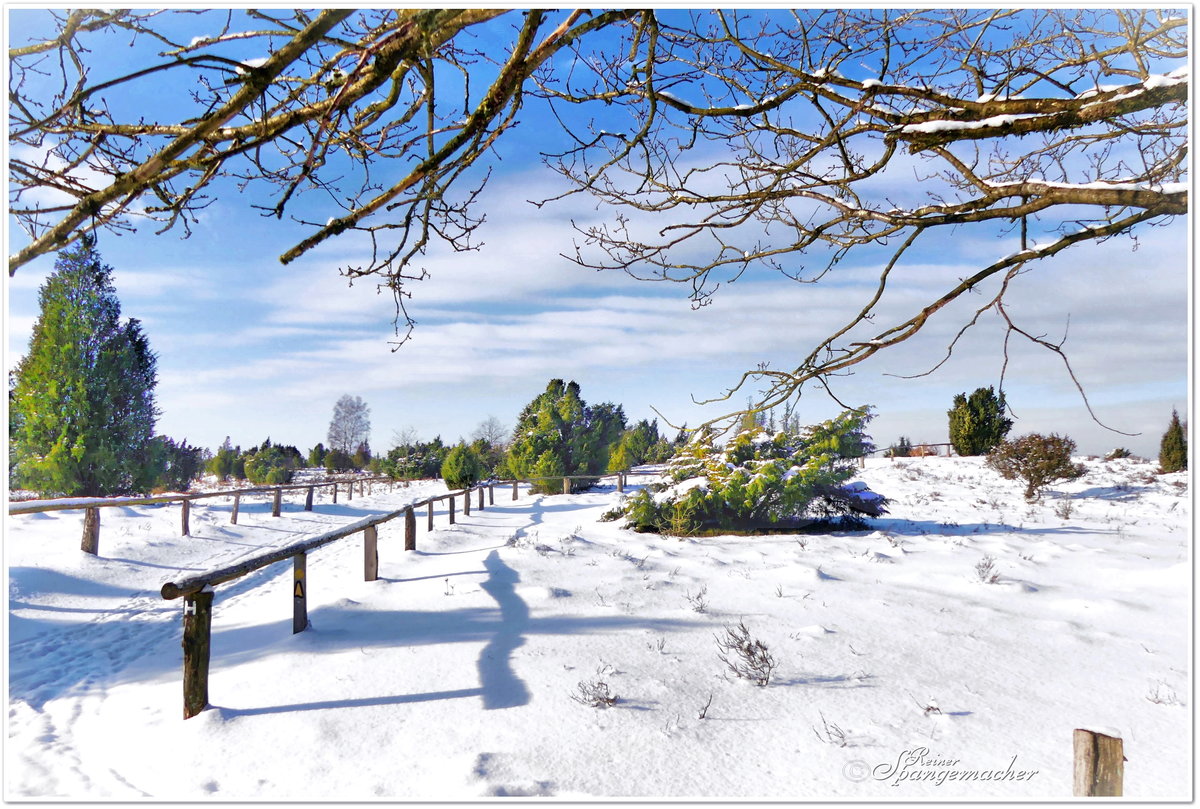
x=901 y=673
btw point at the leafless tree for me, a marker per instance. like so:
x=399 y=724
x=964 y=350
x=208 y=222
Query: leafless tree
x=725 y=142
x=350 y=427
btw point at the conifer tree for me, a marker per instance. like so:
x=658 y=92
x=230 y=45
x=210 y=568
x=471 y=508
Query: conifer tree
x=977 y=423
x=1172 y=453
x=83 y=400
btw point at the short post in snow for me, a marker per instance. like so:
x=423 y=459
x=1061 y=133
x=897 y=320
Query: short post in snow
x=308 y=499
x=1099 y=765
x=430 y=507
x=278 y=502
x=491 y=494
x=514 y=490
x=450 y=500
x=620 y=481
x=299 y=593
x=370 y=553
x=197 y=642
x=237 y=503
x=91 y=531
x=185 y=528
x=335 y=491
x=350 y=491
x=480 y=490
x=467 y=503
x=566 y=485
x=410 y=529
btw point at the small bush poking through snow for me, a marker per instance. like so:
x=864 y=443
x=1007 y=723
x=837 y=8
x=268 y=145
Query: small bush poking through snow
x=594 y=694
x=1037 y=459
x=985 y=569
x=745 y=656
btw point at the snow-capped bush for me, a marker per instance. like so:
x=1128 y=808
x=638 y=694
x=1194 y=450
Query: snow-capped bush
x=760 y=480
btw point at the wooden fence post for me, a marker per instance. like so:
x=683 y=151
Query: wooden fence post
x=620 y=482
x=275 y=506
x=308 y=499
x=335 y=492
x=410 y=529
x=430 y=516
x=237 y=503
x=91 y=531
x=566 y=485
x=349 y=491
x=1099 y=765
x=467 y=503
x=299 y=593
x=480 y=490
x=197 y=634
x=370 y=553
x=450 y=500
x=186 y=529
x=491 y=494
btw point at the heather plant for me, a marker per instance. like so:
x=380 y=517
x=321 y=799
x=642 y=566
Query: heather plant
x=1038 y=460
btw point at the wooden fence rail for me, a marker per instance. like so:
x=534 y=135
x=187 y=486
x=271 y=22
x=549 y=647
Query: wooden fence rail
x=197 y=591
x=91 y=505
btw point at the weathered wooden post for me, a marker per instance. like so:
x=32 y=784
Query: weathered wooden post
x=91 y=531
x=197 y=634
x=335 y=491
x=361 y=486
x=430 y=515
x=450 y=500
x=350 y=491
x=514 y=490
x=491 y=494
x=185 y=527
x=410 y=529
x=275 y=506
x=480 y=490
x=370 y=553
x=620 y=482
x=237 y=503
x=566 y=485
x=308 y=499
x=299 y=593
x=1099 y=765
x=467 y=503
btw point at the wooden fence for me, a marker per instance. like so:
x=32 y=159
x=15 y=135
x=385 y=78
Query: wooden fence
x=91 y=505
x=197 y=591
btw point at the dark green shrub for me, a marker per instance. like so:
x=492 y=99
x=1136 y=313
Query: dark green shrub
x=270 y=466
x=758 y=481
x=178 y=464
x=1037 y=459
x=338 y=461
x=901 y=449
x=977 y=423
x=1172 y=453
x=1118 y=453
x=462 y=468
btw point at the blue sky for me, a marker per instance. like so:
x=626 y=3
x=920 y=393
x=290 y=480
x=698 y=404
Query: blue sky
x=249 y=348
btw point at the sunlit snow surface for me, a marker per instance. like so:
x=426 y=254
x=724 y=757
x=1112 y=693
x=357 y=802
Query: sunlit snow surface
x=900 y=674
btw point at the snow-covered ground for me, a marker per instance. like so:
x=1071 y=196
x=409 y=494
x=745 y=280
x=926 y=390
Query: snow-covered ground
x=901 y=673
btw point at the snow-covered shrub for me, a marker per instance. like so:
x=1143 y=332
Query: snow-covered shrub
x=1037 y=459
x=760 y=480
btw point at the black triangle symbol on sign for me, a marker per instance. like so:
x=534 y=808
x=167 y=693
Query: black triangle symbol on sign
x=299 y=589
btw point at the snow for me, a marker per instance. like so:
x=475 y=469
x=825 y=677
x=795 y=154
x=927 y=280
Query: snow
x=451 y=677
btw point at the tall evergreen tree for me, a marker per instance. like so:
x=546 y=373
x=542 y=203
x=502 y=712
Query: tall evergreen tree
x=557 y=435
x=1172 y=452
x=83 y=400
x=977 y=423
